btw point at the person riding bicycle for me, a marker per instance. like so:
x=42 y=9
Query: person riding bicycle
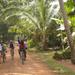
x=23 y=47
x=3 y=52
x=12 y=49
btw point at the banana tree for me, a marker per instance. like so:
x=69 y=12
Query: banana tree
x=41 y=14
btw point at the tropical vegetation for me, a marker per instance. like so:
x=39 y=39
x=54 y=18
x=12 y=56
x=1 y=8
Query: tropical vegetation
x=42 y=21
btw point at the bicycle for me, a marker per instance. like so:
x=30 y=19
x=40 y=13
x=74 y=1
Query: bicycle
x=22 y=56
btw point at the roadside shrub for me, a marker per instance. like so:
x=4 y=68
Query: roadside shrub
x=57 y=56
x=66 y=54
x=63 y=55
x=31 y=44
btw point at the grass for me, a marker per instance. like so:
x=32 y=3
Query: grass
x=59 y=69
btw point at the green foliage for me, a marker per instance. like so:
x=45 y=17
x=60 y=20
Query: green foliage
x=32 y=18
x=3 y=31
x=31 y=44
x=58 y=56
x=69 y=5
x=66 y=54
x=62 y=55
x=70 y=9
x=20 y=13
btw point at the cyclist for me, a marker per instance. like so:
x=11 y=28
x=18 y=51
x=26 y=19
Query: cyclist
x=23 y=48
x=3 y=53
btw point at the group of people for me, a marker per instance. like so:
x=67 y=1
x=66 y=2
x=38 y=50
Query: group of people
x=22 y=47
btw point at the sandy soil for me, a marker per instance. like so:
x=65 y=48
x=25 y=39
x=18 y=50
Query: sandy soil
x=32 y=66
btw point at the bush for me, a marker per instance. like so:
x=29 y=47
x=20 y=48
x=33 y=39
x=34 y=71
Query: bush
x=57 y=56
x=66 y=54
x=31 y=44
x=63 y=55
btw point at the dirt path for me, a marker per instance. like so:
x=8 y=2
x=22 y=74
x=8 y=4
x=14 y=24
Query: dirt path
x=32 y=66
x=68 y=64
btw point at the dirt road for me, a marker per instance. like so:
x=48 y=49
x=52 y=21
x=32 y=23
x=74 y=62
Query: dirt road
x=32 y=66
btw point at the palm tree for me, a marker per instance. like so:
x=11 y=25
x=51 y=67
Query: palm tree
x=67 y=29
x=39 y=12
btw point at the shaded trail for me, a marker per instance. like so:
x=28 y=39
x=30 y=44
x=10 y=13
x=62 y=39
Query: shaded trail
x=32 y=66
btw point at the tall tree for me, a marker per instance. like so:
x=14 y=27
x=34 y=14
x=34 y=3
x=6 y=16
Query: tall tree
x=67 y=29
x=41 y=13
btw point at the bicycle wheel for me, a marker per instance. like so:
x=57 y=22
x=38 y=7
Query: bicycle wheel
x=22 y=57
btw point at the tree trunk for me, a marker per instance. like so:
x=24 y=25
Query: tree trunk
x=44 y=41
x=67 y=29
